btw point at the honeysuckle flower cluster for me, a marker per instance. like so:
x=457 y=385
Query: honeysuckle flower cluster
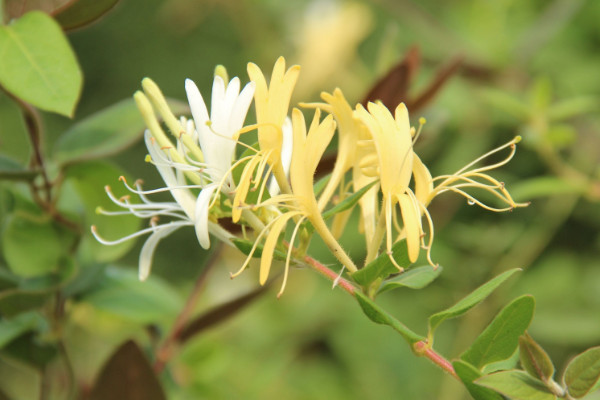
x=213 y=175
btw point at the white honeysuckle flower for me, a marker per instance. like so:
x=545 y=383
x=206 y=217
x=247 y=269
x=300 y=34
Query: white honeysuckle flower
x=182 y=212
x=217 y=134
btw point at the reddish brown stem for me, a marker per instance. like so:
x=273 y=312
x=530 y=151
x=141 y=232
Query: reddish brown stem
x=421 y=348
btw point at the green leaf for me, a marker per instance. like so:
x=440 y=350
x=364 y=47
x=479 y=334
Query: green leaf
x=414 y=278
x=380 y=316
x=320 y=184
x=382 y=267
x=38 y=64
x=32 y=245
x=122 y=294
x=84 y=12
x=88 y=181
x=348 y=202
x=127 y=375
x=500 y=339
x=105 y=132
x=30 y=293
x=470 y=301
x=534 y=359
x=245 y=246
x=467 y=374
x=583 y=372
x=12 y=328
x=517 y=385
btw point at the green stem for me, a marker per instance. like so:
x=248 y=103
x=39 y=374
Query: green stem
x=420 y=347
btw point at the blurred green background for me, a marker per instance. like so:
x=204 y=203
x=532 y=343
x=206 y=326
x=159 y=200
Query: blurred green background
x=528 y=68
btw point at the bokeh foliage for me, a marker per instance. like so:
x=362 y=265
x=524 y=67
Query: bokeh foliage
x=528 y=68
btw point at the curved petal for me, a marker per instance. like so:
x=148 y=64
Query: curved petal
x=201 y=221
x=411 y=218
x=147 y=252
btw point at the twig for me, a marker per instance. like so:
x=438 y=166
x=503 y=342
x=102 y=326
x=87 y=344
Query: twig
x=421 y=348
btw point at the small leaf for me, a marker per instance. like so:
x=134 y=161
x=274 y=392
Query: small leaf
x=105 y=132
x=38 y=64
x=127 y=375
x=348 y=202
x=245 y=246
x=467 y=374
x=414 y=278
x=500 y=339
x=517 y=385
x=12 y=328
x=470 y=301
x=382 y=267
x=220 y=313
x=320 y=184
x=380 y=316
x=122 y=294
x=534 y=359
x=83 y=12
x=583 y=372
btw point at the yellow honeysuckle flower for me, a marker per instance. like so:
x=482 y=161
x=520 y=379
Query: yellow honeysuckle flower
x=272 y=104
x=307 y=150
x=393 y=141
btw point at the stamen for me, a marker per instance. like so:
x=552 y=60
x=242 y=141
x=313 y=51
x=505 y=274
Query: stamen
x=136 y=234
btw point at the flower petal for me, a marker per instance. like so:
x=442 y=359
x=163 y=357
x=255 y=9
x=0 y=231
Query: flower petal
x=201 y=212
x=147 y=252
x=411 y=217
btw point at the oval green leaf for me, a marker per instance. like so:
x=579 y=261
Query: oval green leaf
x=534 y=359
x=414 y=278
x=500 y=339
x=348 y=202
x=470 y=301
x=467 y=374
x=380 y=316
x=38 y=64
x=583 y=372
x=517 y=385
x=105 y=132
